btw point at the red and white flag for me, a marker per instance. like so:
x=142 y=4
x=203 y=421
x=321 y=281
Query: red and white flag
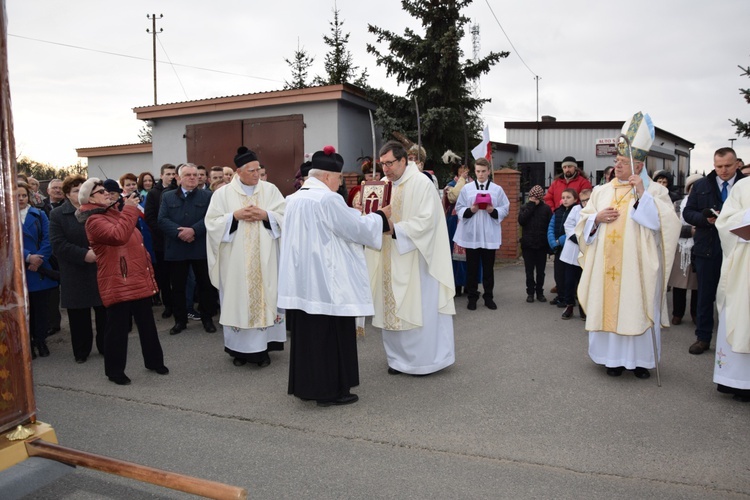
x=484 y=150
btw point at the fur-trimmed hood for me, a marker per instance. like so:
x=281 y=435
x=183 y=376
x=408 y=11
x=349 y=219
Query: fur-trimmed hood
x=85 y=211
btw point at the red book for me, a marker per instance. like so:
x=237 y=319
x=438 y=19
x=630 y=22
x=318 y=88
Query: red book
x=375 y=195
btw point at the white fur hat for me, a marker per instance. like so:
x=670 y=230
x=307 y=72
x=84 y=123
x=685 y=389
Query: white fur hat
x=85 y=192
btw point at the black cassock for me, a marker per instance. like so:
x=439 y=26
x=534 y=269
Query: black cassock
x=323 y=362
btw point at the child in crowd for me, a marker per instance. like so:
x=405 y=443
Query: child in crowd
x=569 y=258
x=556 y=239
x=534 y=218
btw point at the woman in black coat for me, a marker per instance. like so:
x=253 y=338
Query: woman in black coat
x=79 y=289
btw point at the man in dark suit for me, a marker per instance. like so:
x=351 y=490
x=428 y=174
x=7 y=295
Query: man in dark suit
x=703 y=206
x=181 y=215
x=166 y=182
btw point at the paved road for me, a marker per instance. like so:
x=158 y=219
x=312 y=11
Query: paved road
x=523 y=413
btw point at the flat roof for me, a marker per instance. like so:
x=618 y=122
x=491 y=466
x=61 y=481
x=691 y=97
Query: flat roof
x=120 y=149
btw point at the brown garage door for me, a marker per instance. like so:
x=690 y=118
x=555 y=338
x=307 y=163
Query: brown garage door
x=212 y=144
x=279 y=144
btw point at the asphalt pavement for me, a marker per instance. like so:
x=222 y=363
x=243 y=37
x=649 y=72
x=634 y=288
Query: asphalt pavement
x=523 y=413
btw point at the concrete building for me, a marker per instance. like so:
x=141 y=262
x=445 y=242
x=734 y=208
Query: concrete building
x=280 y=126
x=543 y=145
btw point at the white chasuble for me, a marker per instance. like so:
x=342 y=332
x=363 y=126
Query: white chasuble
x=625 y=265
x=412 y=280
x=732 y=366
x=243 y=265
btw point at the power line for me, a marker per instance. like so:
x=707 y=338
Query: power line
x=508 y=38
x=173 y=69
x=142 y=58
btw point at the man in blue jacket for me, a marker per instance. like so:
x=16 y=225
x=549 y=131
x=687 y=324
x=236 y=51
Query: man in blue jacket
x=181 y=219
x=703 y=206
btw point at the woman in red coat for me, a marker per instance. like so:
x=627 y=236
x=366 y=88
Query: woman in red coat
x=125 y=278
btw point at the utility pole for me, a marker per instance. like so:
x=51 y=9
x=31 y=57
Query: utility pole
x=731 y=142
x=153 y=33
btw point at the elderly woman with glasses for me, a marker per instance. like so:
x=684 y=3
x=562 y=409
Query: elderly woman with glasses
x=125 y=277
x=78 y=287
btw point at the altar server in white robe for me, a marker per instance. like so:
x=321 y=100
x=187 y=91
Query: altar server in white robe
x=412 y=275
x=732 y=367
x=628 y=241
x=323 y=282
x=479 y=232
x=243 y=225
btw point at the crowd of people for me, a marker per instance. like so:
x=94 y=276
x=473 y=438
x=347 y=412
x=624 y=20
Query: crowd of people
x=310 y=266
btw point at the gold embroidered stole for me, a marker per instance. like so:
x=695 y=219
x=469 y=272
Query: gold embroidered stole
x=256 y=293
x=390 y=320
x=614 y=233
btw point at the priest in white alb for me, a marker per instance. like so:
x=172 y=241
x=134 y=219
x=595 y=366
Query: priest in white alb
x=412 y=276
x=627 y=234
x=732 y=366
x=323 y=283
x=243 y=225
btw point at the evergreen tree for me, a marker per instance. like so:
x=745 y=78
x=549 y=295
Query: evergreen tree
x=431 y=67
x=299 y=65
x=339 y=63
x=743 y=128
x=145 y=134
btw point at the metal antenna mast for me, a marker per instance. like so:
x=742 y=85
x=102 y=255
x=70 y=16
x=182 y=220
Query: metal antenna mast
x=153 y=33
x=475 y=42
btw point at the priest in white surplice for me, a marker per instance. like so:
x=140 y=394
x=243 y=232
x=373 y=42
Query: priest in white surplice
x=323 y=283
x=243 y=225
x=412 y=276
x=628 y=241
x=732 y=367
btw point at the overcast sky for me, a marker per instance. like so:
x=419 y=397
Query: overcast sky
x=676 y=60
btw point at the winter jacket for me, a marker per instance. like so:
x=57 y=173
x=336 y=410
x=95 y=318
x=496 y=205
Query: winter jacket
x=78 y=286
x=36 y=242
x=560 y=184
x=556 y=228
x=151 y=213
x=705 y=194
x=179 y=210
x=534 y=219
x=124 y=271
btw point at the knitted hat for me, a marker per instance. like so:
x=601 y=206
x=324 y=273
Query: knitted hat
x=536 y=192
x=244 y=156
x=569 y=160
x=84 y=193
x=328 y=160
x=112 y=186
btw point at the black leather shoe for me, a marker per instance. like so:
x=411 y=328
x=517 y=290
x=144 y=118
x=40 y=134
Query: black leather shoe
x=472 y=305
x=167 y=313
x=698 y=347
x=162 y=370
x=343 y=400
x=80 y=360
x=53 y=330
x=529 y=299
x=209 y=326
x=393 y=371
x=490 y=304
x=641 y=372
x=266 y=361
x=615 y=372
x=239 y=362
x=43 y=349
x=541 y=298
x=177 y=328
x=459 y=291
x=120 y=379
x=567 y=313
x=554 y=301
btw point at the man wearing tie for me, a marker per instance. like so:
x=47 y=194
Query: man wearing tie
x=481 y=207
x=703 y=206
x=181 y=219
